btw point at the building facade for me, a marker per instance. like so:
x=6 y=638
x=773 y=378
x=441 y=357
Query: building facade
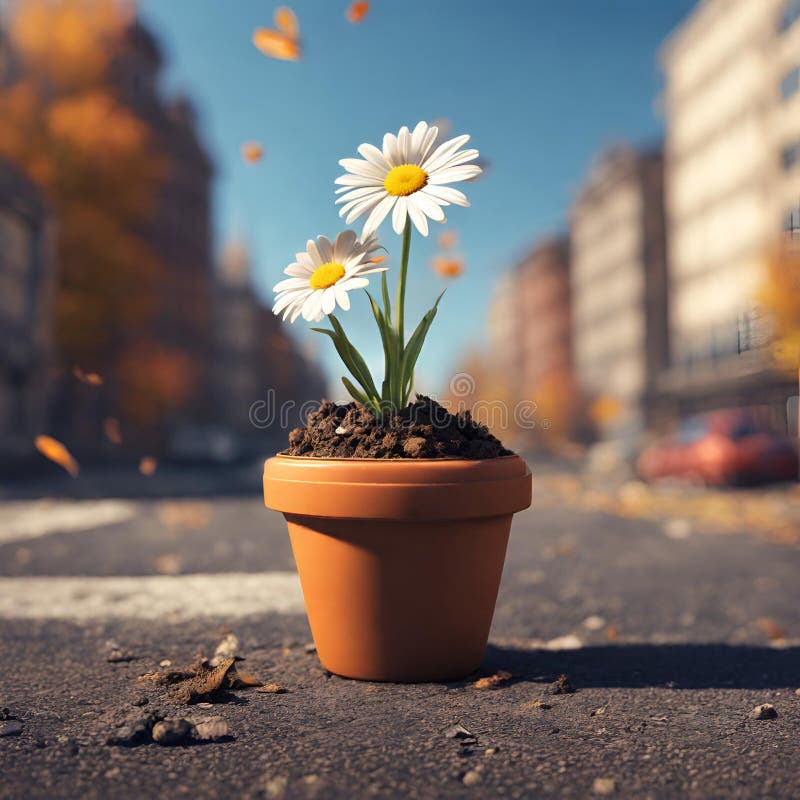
x=618 y=286
x=27 y=275
x=732 y=105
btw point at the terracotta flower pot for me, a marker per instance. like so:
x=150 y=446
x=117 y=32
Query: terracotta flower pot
x=399 y=560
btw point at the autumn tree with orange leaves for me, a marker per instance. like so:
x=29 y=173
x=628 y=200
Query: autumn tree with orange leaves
x=61 y=123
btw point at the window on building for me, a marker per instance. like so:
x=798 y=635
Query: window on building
x=790 y=84
x=791 y=156
x=789 y=15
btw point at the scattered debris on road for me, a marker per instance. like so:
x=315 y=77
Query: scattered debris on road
x=492 y=681
x=604 y=786
x=472 y=778
x=172 y=731
x=764 y=711
x=116 y=654
x=272 y=688
x=460 y=733
x=227 y=648
x=202 y=682
x=538 y=704
x=10 y=726
x=562 y=685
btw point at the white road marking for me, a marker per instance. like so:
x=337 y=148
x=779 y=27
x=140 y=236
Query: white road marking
x=165 y=598
x=23 y=519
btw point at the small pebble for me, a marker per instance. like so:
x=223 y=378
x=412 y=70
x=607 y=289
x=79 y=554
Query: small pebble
x=276 y=787
x=458 y=732
x=165 y=663
x=472 y=778
x=594 y=623
x=211 y=729
x=562 y=686
x=764 y=711
x=11 y=727
x=604 y=786
x=172 y=731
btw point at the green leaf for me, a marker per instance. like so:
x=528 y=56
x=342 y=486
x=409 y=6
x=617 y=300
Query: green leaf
x=387 y=303
x=344 y=354
x=413 y=349
x=387 y=336
x=355 y=393
x=363 y=370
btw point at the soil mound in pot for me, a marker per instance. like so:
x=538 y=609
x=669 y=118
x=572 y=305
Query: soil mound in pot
x=423 y=429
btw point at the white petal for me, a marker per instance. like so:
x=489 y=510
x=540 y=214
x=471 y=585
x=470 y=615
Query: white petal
x=454 y=174
x=430 y=138
x=446 y=194
x=461 y=157
x=363 y=168
x=343 y=246
x=399 y=214
x=342 y=298
x=403 y=142
x=390 y=152
x=360 y=207
x=290 y=283
x=297 y=270
x=352 y=283
x=311 y=307
x=357 y=194
x=298 y=310
x=305 y=260
x=357 y=180
x=325 y=249
x=287 y=298
x=417 y=138
x=328 y=300
x=377 y=215
x=443 y=152
x=427 y=205
x=369 y=269
x=313 y=253
x=374 y=156
x=417 y=217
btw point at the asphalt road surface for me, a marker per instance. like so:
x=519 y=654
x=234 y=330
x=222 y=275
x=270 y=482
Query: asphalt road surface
x=670 y=637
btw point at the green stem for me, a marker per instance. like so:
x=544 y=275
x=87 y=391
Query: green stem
x=401 y=283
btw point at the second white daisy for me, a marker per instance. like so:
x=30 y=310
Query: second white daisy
x=322 y=276
x=406 y=178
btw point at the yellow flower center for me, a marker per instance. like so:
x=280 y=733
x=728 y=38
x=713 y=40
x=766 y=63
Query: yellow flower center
x=405 y=179
x=326 y=275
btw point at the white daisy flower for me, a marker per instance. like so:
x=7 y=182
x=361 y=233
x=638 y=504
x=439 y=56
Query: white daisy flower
x=323 y=275
x=407 y=177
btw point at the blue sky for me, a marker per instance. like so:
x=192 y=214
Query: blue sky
x=540 y=86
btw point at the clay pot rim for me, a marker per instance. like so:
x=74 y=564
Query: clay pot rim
x=397 y=489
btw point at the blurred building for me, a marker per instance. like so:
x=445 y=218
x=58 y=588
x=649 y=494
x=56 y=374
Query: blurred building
x=27 y=274
x=179 y=231
x=732 y=104
x=529 y=321
x=253 y=359
x=618 y=285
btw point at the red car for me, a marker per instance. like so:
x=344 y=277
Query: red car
x=726 y=447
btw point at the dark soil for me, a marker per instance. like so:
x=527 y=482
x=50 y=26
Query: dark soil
x=423 y=429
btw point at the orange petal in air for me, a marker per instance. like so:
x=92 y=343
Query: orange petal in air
x=357 y=11
x=376 y=260
x=111 y=430
x=147 y=465
x=448 y=267
x=448 y=240
x=286 y=22
x=252 y=152
x=57 y=453
x=90 y=378
x=276 y=45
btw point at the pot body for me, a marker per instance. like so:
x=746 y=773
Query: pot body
x=399 y=561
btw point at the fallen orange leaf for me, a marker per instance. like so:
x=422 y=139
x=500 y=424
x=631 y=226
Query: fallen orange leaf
x=147 y=465
x=90 y=378
x=281 y=43
x=357 y=11
x=111 y=430
x=502 y=676
x=448 y=267
x=57 y=453
x=252 y=152
x=448 y=240
x=286 y=22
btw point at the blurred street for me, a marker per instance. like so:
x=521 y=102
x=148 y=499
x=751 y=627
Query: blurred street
x=671 y=630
